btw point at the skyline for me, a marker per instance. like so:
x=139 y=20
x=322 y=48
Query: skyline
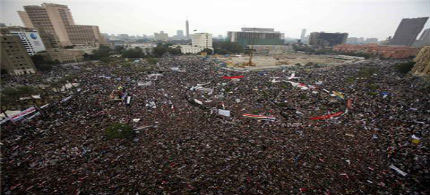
x=135 y=18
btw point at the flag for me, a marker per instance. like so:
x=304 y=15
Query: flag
x=259 y=117
x=233 y=77
x=327 y=116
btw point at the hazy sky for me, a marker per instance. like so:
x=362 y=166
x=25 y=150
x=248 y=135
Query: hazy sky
x=360 y=18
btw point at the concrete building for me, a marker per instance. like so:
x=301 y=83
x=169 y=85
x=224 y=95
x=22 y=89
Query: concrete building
x=322 y=39
x=57 y=27
x=30 y=38
x=63 y=55
x=180 y=33
x=424 y=39
x=161 y=36
x=394 y=52
x=199 y=42
x=14 y=57
x=371 y=40
x=408 y=30
x=25 y=19
x=203 y=40
x=256 y=36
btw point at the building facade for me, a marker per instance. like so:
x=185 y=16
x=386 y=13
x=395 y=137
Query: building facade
x=14 y=57
x=57 y=27
x=203 y=40
x=256 y=36
x=64 y=55
x=424 y=39
x=30 y=38
x=384 y=51
x=322 y=39
x=408 y=30
x=161 y=36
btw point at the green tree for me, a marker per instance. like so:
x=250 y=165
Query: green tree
x=404 y=67
x=227 y=47
x=136 y=52
x=119 y=130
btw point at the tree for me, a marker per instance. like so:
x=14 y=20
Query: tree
x=42 y=64
x=119 y=49
x=101 y=52
x=119 y=130
x=227 y=47
x=404 y=67
x=136 y=52
x=207 y=50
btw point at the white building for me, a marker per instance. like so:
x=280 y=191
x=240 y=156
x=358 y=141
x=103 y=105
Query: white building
x=30 y=39
x=202 y=40
x=199 y=42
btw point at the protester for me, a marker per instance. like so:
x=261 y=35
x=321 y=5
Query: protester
x=183 y=144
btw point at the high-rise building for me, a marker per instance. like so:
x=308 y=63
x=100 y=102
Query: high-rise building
x=161 y=36
x=14 y=57
x=179 y=33
x=203 y=40
x=408 y=30
x=25 y=19
x=57 y=27
x=322 y=39
x=187 y=29
x=302 y=36
x=256 y=36
x=424 y=39
x=30 y=38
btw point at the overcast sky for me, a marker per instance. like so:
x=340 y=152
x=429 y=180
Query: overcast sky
x=360 y=18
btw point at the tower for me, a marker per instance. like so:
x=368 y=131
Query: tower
x=187 y=29
x=302 y=36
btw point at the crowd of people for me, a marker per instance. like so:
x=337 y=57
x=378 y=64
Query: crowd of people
x=186 y=143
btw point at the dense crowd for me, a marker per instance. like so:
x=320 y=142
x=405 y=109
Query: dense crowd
x=380 y=143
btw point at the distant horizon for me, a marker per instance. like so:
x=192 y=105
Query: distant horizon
x=359 y=18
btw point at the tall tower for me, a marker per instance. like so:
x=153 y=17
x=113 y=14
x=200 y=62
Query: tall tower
x=187 y=29
x=302 y=36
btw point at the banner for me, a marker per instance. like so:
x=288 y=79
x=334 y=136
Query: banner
x=327 y=116
x=233 y=77
x=22 y=114
x=259 y=117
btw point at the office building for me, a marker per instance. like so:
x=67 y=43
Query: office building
x=64 y=55
x=30 y=38
x=203 y=40
x=408 y=30
x=57 y=27
x=424 y=39
x=14 y=57
x=256 y=36
x=180 y=33
x=322 y=39
x=161 y=36
x=199 y=42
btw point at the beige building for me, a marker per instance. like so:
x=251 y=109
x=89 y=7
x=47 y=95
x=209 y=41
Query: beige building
x=14 y=57
x=161 y=36
x=63 y=55
x=55 y=24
